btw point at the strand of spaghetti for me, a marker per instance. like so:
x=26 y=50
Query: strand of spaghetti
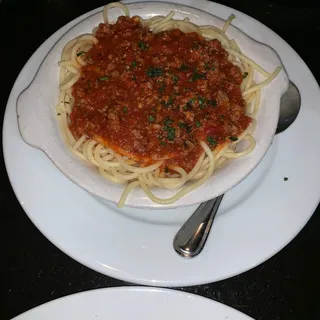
x=249 y=61
x=69 y=82
x=263 y=83
x=185 y=190
x=110 y=177
x=152 y=180
x=126 y=192
x=124 y=177
x=175 y=183
x=256 y=104
x=160 y=22
x=197 y=167
x=227 y=23
x=80 y=142
x=114 y=5
x=233 y=155
x=214 y=33
x=105 y=162
x=137 y=169
x=88 y=150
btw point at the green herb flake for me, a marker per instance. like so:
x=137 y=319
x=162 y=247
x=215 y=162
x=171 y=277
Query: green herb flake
x=183 y=67
x=233 y=138
x=80 y=53
x=151 y=118
x=182 y=125
x=212 y=103
x=196 y=46
x=188 y=129
x=196 y=76
x=168 y=121
x=162 y=87
x=104 y=78
x=125 y=109
x=169 y=102
x=211 y=141
x=245 y=75
x=202 y=102
x=154 y=72
x=198 y=124
x=166 y=169
x=134 y=77
x=142 y=45
x=175 y=79
x=162 y=143
x=171 y=133
x=134 y=64
x=285 y=178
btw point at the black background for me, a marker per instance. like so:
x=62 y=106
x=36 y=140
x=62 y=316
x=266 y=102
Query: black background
x=284 y=287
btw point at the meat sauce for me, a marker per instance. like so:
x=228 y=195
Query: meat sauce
x=156 y=96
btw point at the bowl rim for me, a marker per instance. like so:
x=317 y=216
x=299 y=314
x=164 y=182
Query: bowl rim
x=29 y=126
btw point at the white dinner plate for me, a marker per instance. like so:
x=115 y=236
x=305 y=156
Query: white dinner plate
x=132 y=303
x=256 y=219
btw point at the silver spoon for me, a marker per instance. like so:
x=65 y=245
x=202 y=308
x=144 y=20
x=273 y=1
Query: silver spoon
x=191 y=238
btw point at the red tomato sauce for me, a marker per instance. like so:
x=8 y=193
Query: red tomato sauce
x=156 y=96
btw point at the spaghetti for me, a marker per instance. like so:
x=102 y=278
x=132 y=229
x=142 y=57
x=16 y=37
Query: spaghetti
x=157 y=102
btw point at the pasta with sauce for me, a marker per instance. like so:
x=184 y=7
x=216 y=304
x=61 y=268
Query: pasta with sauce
x=158 y=102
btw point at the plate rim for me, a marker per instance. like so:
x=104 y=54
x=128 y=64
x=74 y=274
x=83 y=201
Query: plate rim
x=179 y=294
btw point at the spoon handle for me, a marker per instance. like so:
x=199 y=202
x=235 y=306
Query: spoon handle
x=191 y=238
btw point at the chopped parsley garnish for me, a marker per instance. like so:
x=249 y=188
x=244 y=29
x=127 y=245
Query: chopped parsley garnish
x=182 y=125
x=169 y=102
x=171 y=133
x=285 y=178
x=185 y=108
x=183 y=67
x=80 y=53
x=162 y=143
x=175 y=79
x=206 y=66
x=143 y=46
x=245 y=75
x=168 y=121
x=196 y=46
x=104 y=78
x=166 y=169
x=202 y=102
x=162 y=87
x=212 y=102
x=190 y=103
x=233 y=138
x=125 y=109
x=154 y=72
x=134 y=77
x=133 y=64
x=151 y=118
x=211 y=141
x=198 y=124
x=196 y=76
x=188 y=128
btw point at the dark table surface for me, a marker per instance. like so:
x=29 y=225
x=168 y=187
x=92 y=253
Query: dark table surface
x=284 y=287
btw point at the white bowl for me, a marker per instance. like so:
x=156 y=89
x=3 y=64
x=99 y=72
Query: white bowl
x=39 y=127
